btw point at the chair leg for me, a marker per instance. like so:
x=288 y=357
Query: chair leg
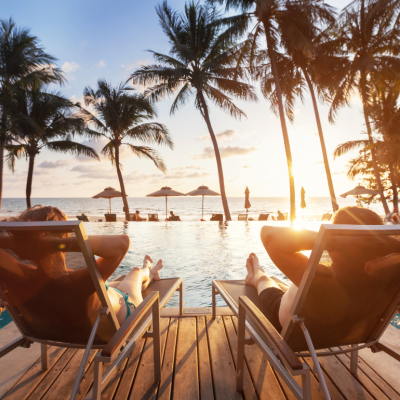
x=181 y=299
x=354 y=361
x=214 y=310
x=157 y=341
x=98 y=377
x=306 y=386
x=45 y=356
x=240 y=352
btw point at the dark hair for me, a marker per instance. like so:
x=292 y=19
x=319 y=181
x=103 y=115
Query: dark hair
x=356 y=216
x=137 y=212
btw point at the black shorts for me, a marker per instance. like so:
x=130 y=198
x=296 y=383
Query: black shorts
x=270 y=302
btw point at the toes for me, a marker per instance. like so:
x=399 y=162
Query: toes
x=248 y=265
x=159 y=264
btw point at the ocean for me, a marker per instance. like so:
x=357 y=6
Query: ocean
x=188 y=208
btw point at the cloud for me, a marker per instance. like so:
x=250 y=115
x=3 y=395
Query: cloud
x=319 y=162
x=193 y=175
x=54 y=164
x=69 y=67
x=100 y=64
x=246 y=166
x=225 y=135
x=225 y=151
x=135 y=64
x=94 y=172
x=186 y=168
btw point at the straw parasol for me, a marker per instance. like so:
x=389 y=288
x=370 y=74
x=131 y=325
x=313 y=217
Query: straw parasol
x=303 y=198
x=202 y=191
x=247 y=204
x=108 y=193
x=358 y=191
x=165 y=192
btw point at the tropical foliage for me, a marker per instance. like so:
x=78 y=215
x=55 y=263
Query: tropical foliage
x=120 y=117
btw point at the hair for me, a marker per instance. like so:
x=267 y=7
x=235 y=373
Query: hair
x=137 y=212
x=40 y=213
x=356 y=216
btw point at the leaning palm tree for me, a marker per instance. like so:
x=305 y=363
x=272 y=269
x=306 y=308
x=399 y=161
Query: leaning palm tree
x=279 y=22
x=120 y=116
x=22 y=60
x=203 y=62
x=369 y=30
x=42 y=119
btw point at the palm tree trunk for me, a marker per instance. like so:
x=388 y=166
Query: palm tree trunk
x=121 y=183
x=393 y=180
x=2 y=144
x=373 y=155
x=275 y=73
x=206 y=117
x=29 y=181
x=335 y=205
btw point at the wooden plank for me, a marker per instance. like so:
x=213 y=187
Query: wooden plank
x=264 y=379
x=62 y=386
x=222 y=367
x=345 y=382
x=130 y=370
x=362 y=377
x=164 y=391
x=248 y=388
x=144 y=386
x=206 y=385
x=186 y=382
x=174 y=311
x=35 y=375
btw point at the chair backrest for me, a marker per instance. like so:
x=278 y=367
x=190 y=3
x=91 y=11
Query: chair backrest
x=153 y=217
x=242 y=217
x=82 y=218
x=111 y=217
x=263 y=217
x=326 y=217
x=175 y=218
x=53 y=309
x=132 y=217
x=217 y=217
x=340 y=312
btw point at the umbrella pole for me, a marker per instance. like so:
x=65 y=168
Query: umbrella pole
x=166 y=207
x=202 y=207
x=110 y=204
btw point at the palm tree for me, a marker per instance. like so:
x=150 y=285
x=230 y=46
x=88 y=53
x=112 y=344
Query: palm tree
x=203 y=61
x=279 y=22
x=120 y=116
x=369 y=30
x=41 y=119
x=21 y=61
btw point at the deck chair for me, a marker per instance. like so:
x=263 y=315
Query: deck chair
x=353 y=323
x=60 y=325
x=153 y=217
x=82 y=218
x=111 y=217
x=263 y=217
x=242 y=217
x=326 y=217
x=217 y=217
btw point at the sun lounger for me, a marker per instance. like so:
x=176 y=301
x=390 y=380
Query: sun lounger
x=362 y=322
x=326 y=217
x=217 y=217
x=82 y=218
x=263 y=217
x=242 y=217
x=111 y=217
x=282 y=217
x=174 y=218
x=61 y=328
x=153 y=217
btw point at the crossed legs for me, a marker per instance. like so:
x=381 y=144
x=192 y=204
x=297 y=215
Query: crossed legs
x=256 y=276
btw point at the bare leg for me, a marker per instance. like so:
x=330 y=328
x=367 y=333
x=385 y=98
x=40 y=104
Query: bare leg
x=256 y=277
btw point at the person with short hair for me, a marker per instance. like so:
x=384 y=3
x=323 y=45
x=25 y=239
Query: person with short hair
x=138 y=217
x=47 y=273
x=346 y=274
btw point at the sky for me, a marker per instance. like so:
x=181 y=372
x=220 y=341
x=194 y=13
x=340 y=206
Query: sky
x=95 y=39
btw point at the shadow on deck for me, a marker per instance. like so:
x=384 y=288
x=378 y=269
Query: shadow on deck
x=199 y=356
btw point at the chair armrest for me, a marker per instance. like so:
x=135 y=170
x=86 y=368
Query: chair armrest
x=130 y=323
x=271 y=333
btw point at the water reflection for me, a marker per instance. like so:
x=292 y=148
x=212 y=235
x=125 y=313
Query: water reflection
x=198 y=252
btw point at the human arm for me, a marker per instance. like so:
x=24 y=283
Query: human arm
x=283 y=245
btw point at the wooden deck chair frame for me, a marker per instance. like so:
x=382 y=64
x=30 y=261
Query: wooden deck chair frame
x=272 y=343
x=118 y=348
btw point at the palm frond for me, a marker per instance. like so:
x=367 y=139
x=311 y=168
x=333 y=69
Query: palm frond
x=349 y=146
x=151 y=154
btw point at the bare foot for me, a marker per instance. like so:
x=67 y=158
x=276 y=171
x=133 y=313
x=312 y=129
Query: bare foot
x=147 y=262
x=155 y=271
x=254 y=271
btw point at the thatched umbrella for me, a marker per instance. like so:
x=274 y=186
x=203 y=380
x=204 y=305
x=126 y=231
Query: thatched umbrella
x=165 y=192
x=359 y=190
x=247 y=204
x=202 y=191
x=108 y=193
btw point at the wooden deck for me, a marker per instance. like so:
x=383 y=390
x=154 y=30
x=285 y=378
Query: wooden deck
x=199 y=356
